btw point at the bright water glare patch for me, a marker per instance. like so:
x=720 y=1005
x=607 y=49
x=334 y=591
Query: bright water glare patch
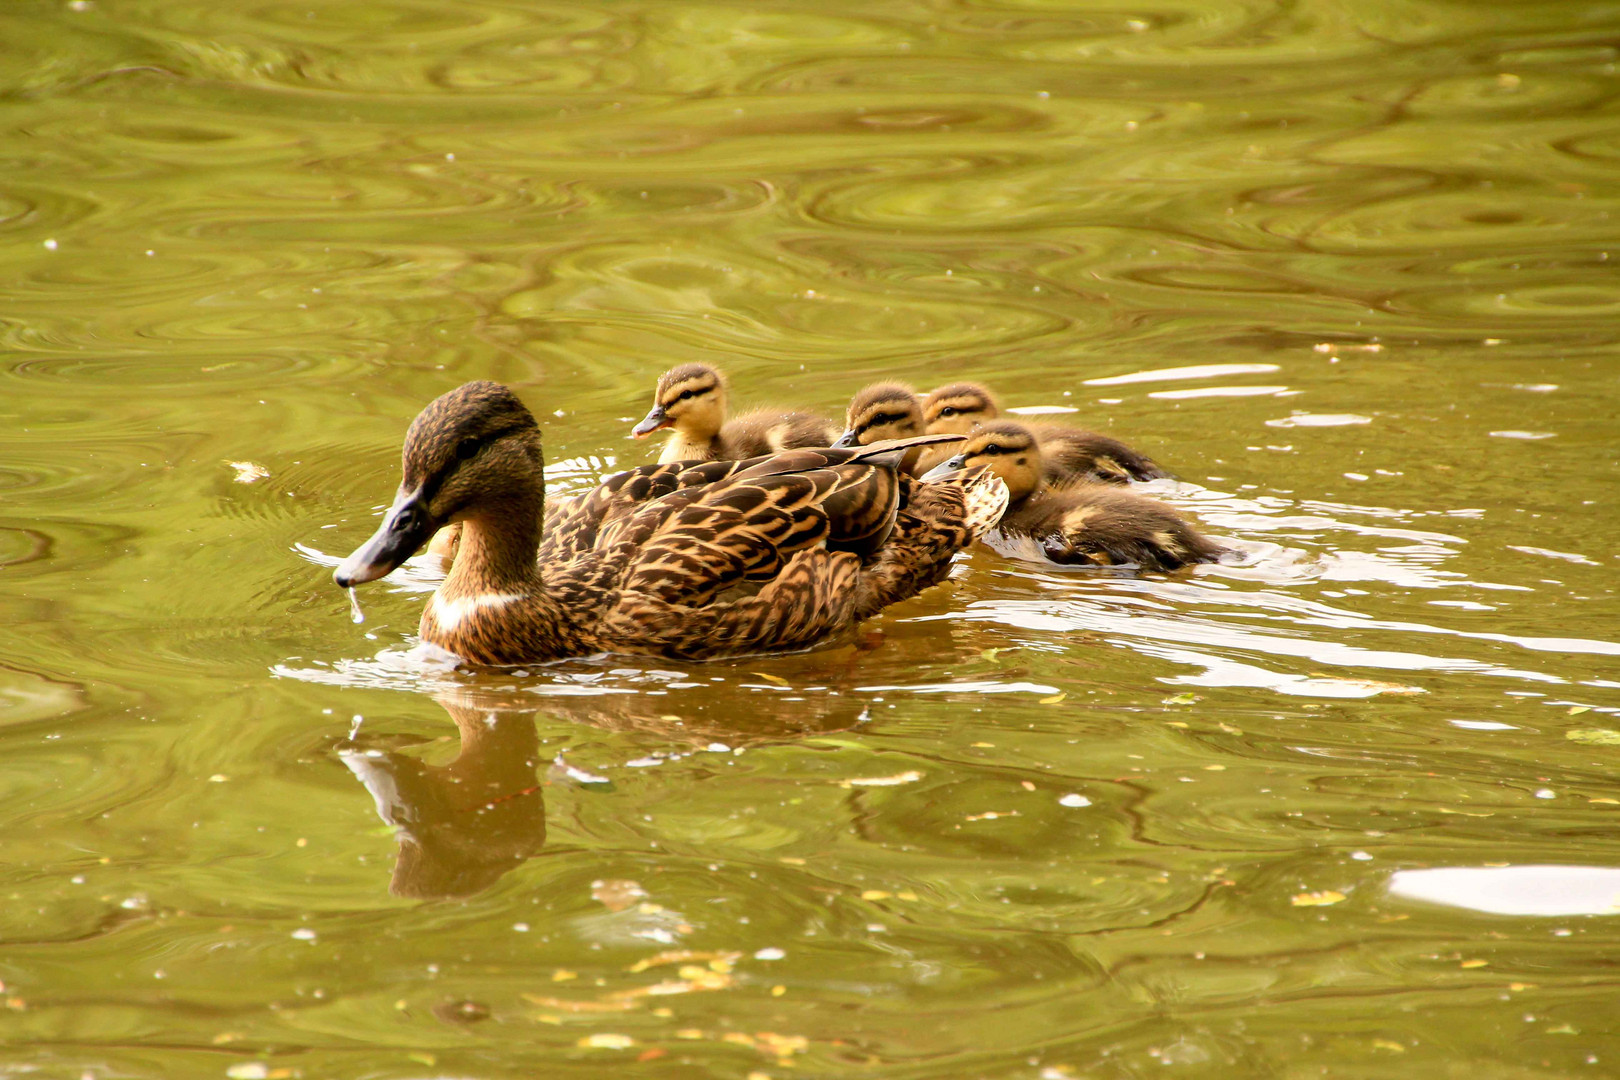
x=1515 y=890
x=1196 y=371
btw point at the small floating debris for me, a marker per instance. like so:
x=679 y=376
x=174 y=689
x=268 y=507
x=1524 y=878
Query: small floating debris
x=248 y=472
x=1316 y=899
x=910 y=776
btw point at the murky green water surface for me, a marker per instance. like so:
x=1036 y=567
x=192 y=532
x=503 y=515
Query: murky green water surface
x=1033 y=824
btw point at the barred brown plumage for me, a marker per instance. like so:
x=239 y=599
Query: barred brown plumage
x=687 y=560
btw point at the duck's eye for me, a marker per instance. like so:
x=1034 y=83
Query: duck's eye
x=991 y=448
x=467 y=448
x=949 y=410
x=685 y=395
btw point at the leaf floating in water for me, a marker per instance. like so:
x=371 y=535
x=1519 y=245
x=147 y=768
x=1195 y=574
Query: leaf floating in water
x=1594 y=736
x=607 y=1041
x=577 y=775
x=617 y=894
x=355 y=613
x=910 y=776
x=1182 y=699
x=1390 y=1045
x=777 y=679
x=248 y=472
x=1576 y=710
x=1316 y=899
x=685 y=956
x=1055 y=698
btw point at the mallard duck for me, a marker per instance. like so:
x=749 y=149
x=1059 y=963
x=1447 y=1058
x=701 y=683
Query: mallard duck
x=1069 y=453
x=1085 y=522
x=882 y=411
x=688 y=560
x=691 y=399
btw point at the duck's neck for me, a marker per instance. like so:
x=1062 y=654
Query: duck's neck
x=492 y=607
x=497 y=555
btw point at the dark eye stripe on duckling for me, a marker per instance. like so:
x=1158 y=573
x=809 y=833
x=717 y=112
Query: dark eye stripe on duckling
x=683 y=392
x=882 y=420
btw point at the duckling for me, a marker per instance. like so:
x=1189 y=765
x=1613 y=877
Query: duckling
x=1069 y=453
x=1082 y=523
x=691 y=399
x=887 y=410
x=688 y=560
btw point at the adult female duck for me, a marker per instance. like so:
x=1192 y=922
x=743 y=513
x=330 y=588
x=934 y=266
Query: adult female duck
x=688 y=560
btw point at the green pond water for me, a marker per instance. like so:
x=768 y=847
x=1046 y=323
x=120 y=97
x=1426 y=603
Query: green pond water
x=1346 y=806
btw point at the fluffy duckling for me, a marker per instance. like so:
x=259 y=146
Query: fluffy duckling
x=1069 y=454
x=888 y=410
x=691 y=400
x=1082 y=523
x=687 y=560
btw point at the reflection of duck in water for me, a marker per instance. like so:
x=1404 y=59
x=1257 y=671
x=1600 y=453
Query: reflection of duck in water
x=462 y=825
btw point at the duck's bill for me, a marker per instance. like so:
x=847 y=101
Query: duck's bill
x=847 y=441
x=652 y=422
x=404 y=528
x=945 y=468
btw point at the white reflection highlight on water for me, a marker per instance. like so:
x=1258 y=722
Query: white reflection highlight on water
x=1194 y=371
x=1537 y=890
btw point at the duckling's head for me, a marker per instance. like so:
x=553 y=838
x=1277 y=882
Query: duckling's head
x=690 y=398
x=473 y=450
x=1009 y=450
x=957 y=408
x=884 y=410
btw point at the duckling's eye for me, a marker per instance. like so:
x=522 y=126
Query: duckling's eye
x=467 y=448
x=685 y=394
x=949 y=410
x=992 y=448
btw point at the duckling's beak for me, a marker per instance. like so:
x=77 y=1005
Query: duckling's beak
x=945 y=468
x=406 y=527
x=650 y=423
x=847 y=441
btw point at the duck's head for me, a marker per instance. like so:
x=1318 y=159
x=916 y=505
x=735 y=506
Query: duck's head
x=690 y=398
x=473 y=450
x=1006 y=449
x=885 y=410
x=958 y=408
